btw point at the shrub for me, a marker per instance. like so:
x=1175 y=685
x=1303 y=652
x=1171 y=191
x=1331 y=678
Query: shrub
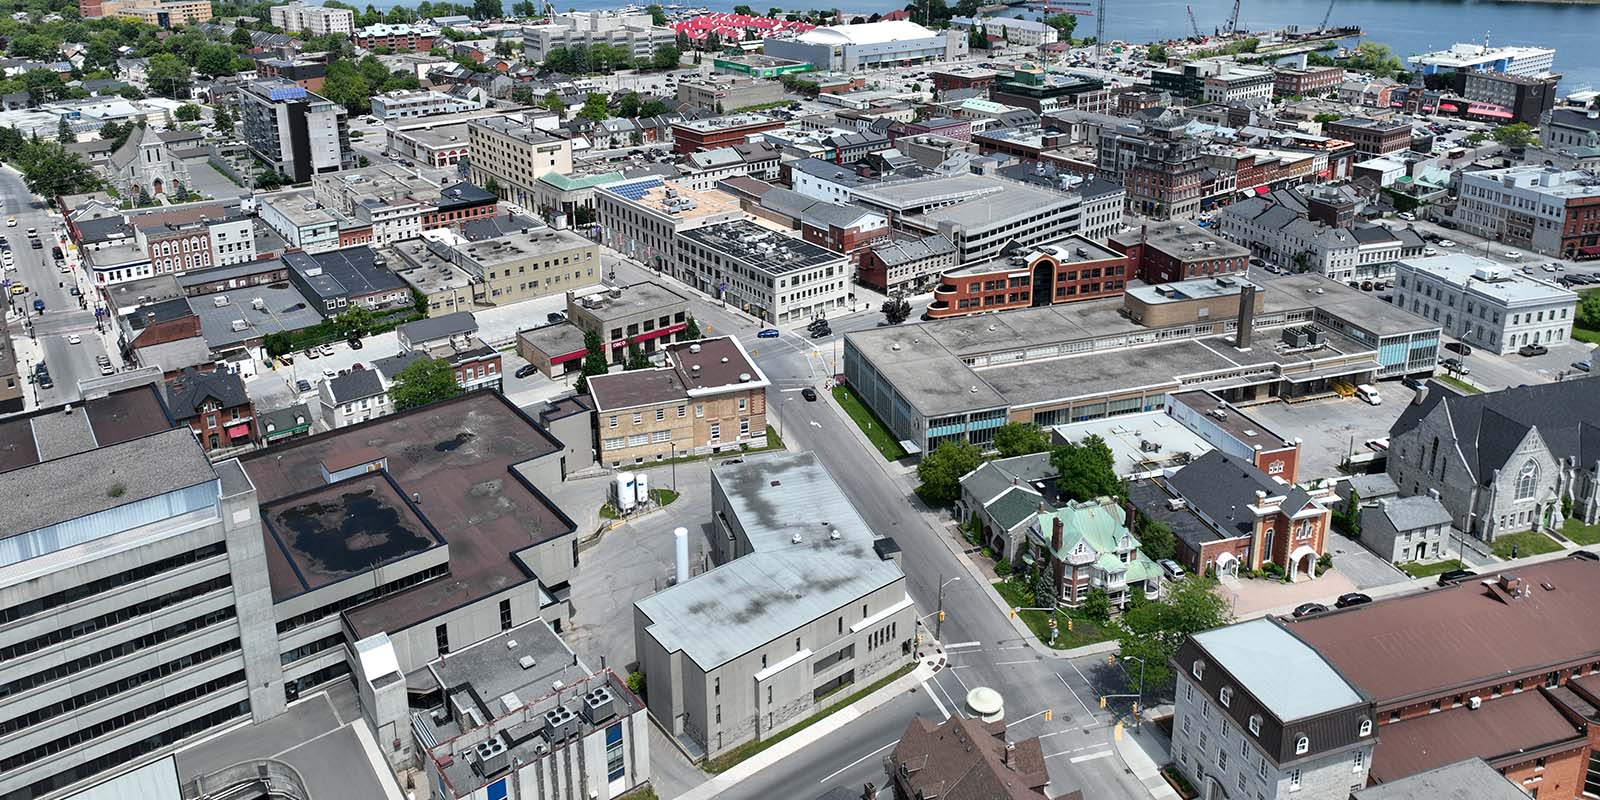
x=1324 y=562
x=1002 y=567
x=635 y=682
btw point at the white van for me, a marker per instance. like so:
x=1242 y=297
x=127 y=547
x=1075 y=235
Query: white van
x=1369 y=394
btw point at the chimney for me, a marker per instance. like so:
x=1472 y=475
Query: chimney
x=1433 y=493
x=1421 y=396
x=1057 y=534
x=1247 y=316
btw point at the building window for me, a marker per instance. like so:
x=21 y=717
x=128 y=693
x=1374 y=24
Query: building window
x=1302 y=745
x=1366 y=726
x=661 y=414
x=505 y=615
x=1294 y=780
x=1358 y=760
x=613 y=421
x=614 y=767
x=441 y=637
x=716 y=431
x=1225 y=696
x=1199 y=669
x=1255 y=724
x=1527 y=480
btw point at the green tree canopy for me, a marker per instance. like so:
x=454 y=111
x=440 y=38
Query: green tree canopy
x=1020 y=439
x=1156 y=53
x=188 y=112
x=1517 y=134
x=594 y=360
x=51 y=170
x=168 y=76
x=1589 y=310
x=1152 y=630
x=1156 y=539
x=424 y=381
x=595 y=108
x=1327 y=117
x=64 y=132
x=666 y=57
x=1064 y=24
x=354 y=322
x=940 y=471
x=1086 y=470
x=658 y=17
x=691 y=329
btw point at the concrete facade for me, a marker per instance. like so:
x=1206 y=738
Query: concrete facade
x=1483 y=303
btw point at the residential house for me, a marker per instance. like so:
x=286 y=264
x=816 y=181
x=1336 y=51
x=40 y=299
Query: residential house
x=1002 y=497
x=214 y=405
x=1406 y=529
x=356 y=396
x=966 y=758
x=1088 y=547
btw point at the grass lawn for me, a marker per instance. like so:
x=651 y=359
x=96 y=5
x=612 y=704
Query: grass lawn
x=1084 y=630
x=1575 y=530
x=869 y=423
x=642 y=793
x=1585 y=335
x=1420 y=570
x=1459 y=384
x=727 y=760
x=1528 y=543
x=663 y=497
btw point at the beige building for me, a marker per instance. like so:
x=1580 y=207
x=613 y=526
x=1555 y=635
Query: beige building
x=456 y=274
x=709 y=397
x=166 y=14
x=513 y=154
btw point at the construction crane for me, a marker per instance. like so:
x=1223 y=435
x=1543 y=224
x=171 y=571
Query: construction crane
x=1193 y=24
x=1100 y=32
x=1327 y=16
x=1233 y=19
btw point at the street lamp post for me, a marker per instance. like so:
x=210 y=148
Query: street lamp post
x=938 y=622
x=1141 y=684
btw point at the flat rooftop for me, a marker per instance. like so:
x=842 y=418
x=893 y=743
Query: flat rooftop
x=1288 y=678
x=1128 y=435
x=53 y=432
x=664 y=197
x=536 y=243
x=341 y=530
x=760 y=248
x=1504 y=725
x=1361 y=309
x=1235 y=421
x=283 y=309
x=1197 y=289
x=461 y=456
x=1462 y=270
x=299 y=208
x=1185 y=240
x=437 y=135
x=1072 y=250
x=516 y=129
x=644 y=297
x=726 y=122
x=781 y=585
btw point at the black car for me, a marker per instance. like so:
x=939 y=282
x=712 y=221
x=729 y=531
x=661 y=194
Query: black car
x=302 y=385
x=554 y=317
x=1351 y=599
x=1532 y=350
x=355 y=344
x=36 y=244
x=809 y=394
x=1307 y=609
x=55 y=252
x=1455 y=576
x=1447 y=224
x=1458 y=347
x=526 y=371
x=1455 y=365
x=1584 y=554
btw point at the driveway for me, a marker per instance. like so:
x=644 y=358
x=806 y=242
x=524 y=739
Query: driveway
x=1363 y=567
x=1256 y=597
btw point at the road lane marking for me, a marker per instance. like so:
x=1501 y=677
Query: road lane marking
x=950 y=647
x=943 y=712
x=1089 y=757
x=1075 y=695
x=859 y=760
x=1009 y=663
x=1094 y=746
x=959 y=711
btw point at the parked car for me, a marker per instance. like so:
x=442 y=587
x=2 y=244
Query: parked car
x=1351 y=599
x=555 y=317
x=1173 y=569
x=327 y=349
x=1368 y=394
x=1582 y=365
x=1455 y=365
x=1584 y=554
x=327 y=372
x=302 y=385
x=73 y=338
x=818 y=333
x=1455 y=576
x=1532 y=350
x=767 y=333
x=1307 y=609
x=809 y=394
x=527 y=370
x=355 y=343
x=1446 y=242
x=1459 y=347
x=312 y=352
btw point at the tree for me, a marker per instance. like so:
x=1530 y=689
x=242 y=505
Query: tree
x=1476 y=138
x=1518 y=134
x=223 y=120
x=43 y=85
x=553 y=102
x=976 y=40
x=1043 y=586
x=492 y=186
x=1086 y=470
x=1152 y=630
x=1375 y=58
x=188 y=112
x=51 y=170
x=636 y=358
x=1349 y=520
x=64 y=132
x=487 y=9
x=168 y=76
x=594 y=360
x=1156 y=540
x=691 y=330
x=354 y=322
x=628 y=106
x=35 y=47
x=1020 y=439
x=940 y=471
x=595 y=108
x=116 y=133
x=268 y=179
x=1156 y=53
x=666 y=57
x=745 y=10
x=1589 y=310
x=1327 y=117
x=652 y=108
x=658 y=17
x=215 y=60
x=895 y=310
x=276 y=344
x=1064 y=24
x=1097 y=606
x=240 y=38
x=424 y=381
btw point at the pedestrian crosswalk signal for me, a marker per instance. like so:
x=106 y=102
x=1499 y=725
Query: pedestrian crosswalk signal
x=1048 y=715
x=1102 y=701
x=941 y=616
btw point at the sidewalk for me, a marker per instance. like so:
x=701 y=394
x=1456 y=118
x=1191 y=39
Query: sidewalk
x=1143 y=750
x=788 y=747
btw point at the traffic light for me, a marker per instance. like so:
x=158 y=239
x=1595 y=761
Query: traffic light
x=941 y=616
x=1136 y=708
x=1069 y=624
x=1102 y=701
x=1116 y=732
x=1048 y=715
x=1013 y=613
x=1111 y=660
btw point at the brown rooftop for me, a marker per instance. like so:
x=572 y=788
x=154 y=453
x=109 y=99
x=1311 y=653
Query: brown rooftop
x=458 y=456
x=1235 y=421
x=967 y=759
x=721 y=362
x=340 y=530
x=703 y=364
x=1463 y=635
x=113 y=419
x=1504 y=726
x=343 y=459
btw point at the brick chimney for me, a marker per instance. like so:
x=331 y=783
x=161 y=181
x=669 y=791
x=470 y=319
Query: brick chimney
x=1057 y=534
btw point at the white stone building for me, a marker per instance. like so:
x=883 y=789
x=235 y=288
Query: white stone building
x=1483 y=303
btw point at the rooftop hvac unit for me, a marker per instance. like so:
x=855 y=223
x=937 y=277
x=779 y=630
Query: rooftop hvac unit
x=599 y=705
x=258 y=304
x=559 y=724
x=1295 y=337
x=240 y=325
x=1177 y=504
x=220 y=300
x=491 y=756
x=1314 y=335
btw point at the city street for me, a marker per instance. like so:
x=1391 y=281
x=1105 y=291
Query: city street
x=68 y=363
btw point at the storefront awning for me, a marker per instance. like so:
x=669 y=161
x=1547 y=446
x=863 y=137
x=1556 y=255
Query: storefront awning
x=1263 y=190
x=1448 y=107
x=239 y=431
x=1485 y=111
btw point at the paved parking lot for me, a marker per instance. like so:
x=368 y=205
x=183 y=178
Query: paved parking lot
x=1363 y=567
x=1333 y=428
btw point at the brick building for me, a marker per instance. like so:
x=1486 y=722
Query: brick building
x=1372 y=137
x=905 y=264
x=214 y=405
x=1074 y=269
x=1163 y=252
x=398 y=38
x=1308 y=82
x=945 y=80
x=689 y=136
x=710 y=396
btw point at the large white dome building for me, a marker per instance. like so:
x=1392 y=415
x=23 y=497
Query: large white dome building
x=846 y=48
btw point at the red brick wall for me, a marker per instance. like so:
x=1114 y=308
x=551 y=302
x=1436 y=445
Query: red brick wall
x=203 y=430
x=1561 y=776
x=444 y=219
x=997 y=290
x=1288 y=456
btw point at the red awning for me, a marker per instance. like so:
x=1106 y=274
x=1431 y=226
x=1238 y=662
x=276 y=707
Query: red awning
x=1447 y=107
x=1490 y=112
x=240 y=431
x=1263 y=190
x=568 y=357
x=1590 y=250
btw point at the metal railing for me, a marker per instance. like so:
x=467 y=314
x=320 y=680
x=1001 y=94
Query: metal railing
x=247 y=780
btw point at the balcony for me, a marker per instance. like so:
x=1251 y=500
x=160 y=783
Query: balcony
x=1110 y=581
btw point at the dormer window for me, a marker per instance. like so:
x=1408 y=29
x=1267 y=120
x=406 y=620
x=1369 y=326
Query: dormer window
x=1366 y=727
x=1302 y=745
x=1225 y=696
x=1255 y=724
x=1199 y=669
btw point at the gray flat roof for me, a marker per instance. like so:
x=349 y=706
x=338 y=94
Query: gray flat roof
x=722 y=614
x=1361 y=309
x=761 y=248
x=637 y=298
x=284 y=309
x=1285 y=674
x=1471 y=779
x=1459 y=269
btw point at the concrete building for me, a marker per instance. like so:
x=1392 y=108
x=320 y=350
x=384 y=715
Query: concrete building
x=300 y=134
x=1543 y=209
x=1307 y=82
x=1011 y=31
x=1240 y=85
x=1070 y=270
x=1510 y=98
x=436 y=146
x=771 y=276
x=354 y=397
x=296 y=216
x=513 y=154
x=1170 y=251
x=160 y=13
x=1259 y=713
x=1160 y=166
x=692 y=136
x=633 y=32
x=719 y=675
x=1484 y=303
x=848 y=48
x=1406 y=529
x=642 y=219
x=456 y=274
x=720 y=94
x=981 y=215
x=647 y=315
x=1575 y=129
x=1482 y=58
x=402 y=104
x=314 y=20
x=1504 y=461
x=398 y=38
x=709 y=396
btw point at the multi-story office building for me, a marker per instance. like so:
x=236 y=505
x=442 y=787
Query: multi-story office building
x=161 y=14
x=314 y=20
x=1307 y=82
x=690 y=136
x=299 y=133
x=709 y=396
x=1372 y=137
x=1250 y=87
x=642 y=219
x=456 y=274
x=1482 y=58
x=647 y=315
x=1483 y=303
x=771 y=276
x=633 y=32
x=434 y=145
x=1178 y=251
x=1157 y=163
x=509 y=155
x=1542 y=209
x=421 y=103
x=1014 y=32
x=1524 y=98
x=1260 y=713
x=398 y=38
x=725 y=93
x=1066 y=271
x=719 y=675
x=307 y=73
x=979 y=214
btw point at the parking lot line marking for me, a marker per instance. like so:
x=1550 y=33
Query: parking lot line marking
x=1090 y=757
x=859 y=760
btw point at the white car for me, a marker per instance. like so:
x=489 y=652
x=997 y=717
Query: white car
x=1429 y=251
x=73 y=338
x=1446 y=243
